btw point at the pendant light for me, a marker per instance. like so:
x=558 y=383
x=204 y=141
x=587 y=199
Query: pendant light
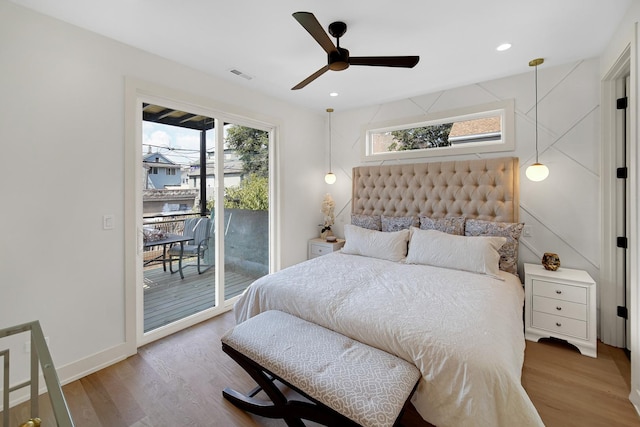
x=537 y=171
x=330 y=177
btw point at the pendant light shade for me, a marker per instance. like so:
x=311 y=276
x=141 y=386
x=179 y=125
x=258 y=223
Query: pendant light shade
x=330 y=177
x=537 y=171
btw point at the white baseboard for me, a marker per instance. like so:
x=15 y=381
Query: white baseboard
x=634 y=397
x=77 y=370
x=94 y=363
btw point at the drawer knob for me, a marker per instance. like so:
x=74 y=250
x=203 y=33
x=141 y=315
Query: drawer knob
x=558 y=292
x=558 y=324
x=558 y=308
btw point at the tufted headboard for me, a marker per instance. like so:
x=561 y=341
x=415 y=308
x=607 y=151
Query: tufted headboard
x=484 y=189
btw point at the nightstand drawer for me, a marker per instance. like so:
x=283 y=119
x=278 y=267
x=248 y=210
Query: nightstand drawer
x=317 y=250
x=577 y=294
x=561 y=325
x=560 y=308
x=319 y=247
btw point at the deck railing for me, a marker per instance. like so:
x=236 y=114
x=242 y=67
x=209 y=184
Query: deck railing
x=168 y=224
x=173 y=224
x=40 y=358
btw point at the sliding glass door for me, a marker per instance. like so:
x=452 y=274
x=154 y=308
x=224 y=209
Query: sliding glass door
x=246 y=207
x=205 y=208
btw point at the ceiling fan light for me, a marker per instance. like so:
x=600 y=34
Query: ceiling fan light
x=537 y=172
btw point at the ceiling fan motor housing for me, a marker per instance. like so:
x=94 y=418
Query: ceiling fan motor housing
x=337 y=29
x=338 y=59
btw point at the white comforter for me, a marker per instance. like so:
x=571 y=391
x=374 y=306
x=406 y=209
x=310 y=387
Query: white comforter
x=462 y=330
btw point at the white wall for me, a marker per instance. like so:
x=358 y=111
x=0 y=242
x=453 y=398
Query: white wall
x=62 y=107
x=563 y=210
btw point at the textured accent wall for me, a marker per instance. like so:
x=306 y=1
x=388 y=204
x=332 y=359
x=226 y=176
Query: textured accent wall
x=564 y=210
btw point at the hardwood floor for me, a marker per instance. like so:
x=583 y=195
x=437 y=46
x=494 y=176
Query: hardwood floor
x=569 y=389
x=178 y=381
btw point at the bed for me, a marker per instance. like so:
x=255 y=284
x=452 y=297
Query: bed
x=454 y=311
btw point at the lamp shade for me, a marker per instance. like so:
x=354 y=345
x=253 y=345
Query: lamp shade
x=330 y=178
x=537 y=172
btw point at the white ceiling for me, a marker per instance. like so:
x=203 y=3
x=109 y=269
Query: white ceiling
x=455 y=39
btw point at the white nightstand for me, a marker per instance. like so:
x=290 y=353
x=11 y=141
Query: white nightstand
x=318 y=247
x=561 y=304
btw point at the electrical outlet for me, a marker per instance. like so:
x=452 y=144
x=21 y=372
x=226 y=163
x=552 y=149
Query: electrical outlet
x=527 y=231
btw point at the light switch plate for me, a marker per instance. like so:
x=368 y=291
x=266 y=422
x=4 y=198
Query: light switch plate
x=107 y=222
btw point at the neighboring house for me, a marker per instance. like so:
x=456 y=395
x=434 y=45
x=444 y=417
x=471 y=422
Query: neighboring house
x=163 y=192
x=232 y=171
x=168 y=201
x=476 y=130
x=160 y=172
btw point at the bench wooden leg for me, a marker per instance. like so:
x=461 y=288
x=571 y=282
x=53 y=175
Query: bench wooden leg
x=291 y=411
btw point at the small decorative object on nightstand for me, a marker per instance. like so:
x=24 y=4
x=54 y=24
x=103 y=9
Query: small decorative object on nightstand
x=328 y=217
x=318 y=247
x=561 y=304
x=550 y=261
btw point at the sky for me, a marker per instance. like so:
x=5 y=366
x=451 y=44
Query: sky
x=180 y=145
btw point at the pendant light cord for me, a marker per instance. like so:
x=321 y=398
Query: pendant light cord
x=330 y=110
x=536 y=74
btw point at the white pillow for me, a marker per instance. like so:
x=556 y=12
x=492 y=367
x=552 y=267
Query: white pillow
x=478 y=254
x=391 y=246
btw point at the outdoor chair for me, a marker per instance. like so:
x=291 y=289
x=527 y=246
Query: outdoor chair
x=198 y=246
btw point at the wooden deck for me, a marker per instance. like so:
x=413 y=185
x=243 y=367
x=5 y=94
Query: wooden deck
x=168 y=298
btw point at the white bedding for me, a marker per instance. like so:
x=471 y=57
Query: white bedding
x=462 y=330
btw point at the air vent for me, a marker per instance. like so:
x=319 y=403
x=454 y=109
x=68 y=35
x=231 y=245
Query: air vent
x=241 y=74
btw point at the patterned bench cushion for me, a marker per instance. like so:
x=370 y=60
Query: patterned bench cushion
x=365 y=384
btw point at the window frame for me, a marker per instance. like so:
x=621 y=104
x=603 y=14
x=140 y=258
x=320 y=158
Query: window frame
x=505 y=109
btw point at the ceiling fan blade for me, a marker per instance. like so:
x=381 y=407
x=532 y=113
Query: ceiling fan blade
x=311 y=24
x=311 y=78
x=385 y=61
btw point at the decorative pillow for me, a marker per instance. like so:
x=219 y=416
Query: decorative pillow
x=371 y=222
x=475 y=254
x=396 y=223
x=451 y=225
x=509 y=251
x=376 y=244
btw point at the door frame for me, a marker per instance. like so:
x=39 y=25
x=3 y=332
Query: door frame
x=136 y=92
x=611 y=288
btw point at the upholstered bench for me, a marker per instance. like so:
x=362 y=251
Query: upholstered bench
x=346 y=382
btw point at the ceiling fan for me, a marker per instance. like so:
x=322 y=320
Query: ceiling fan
x=338 y=58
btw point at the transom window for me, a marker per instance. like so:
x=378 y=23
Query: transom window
x=483 y=128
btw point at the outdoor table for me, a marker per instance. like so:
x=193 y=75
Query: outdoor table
x=169 y=239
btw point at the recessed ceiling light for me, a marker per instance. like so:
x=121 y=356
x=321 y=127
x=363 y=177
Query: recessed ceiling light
x=333 y=94
x=503 y=47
